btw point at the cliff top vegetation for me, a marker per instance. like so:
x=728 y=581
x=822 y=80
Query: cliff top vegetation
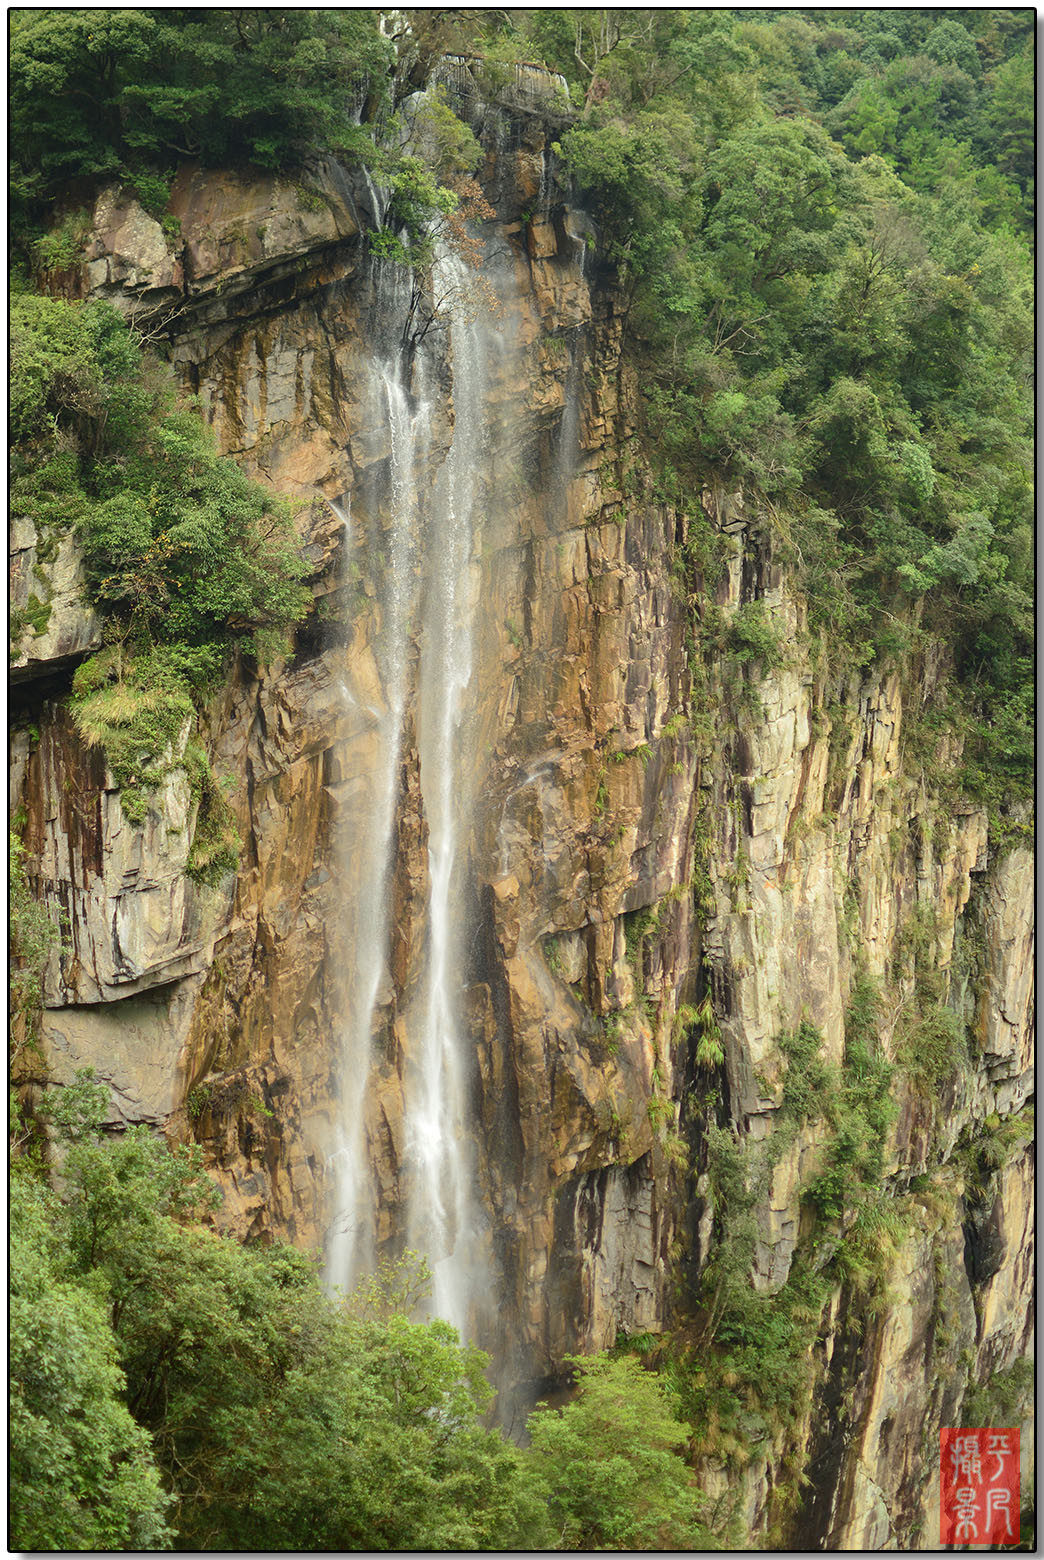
x=822 y=220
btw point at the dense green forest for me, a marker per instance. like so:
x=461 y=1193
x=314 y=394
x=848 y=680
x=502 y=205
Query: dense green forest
x=171 y=1385
x=822 y=223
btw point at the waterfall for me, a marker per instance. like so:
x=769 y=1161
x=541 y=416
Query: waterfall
x=351 y=1248
x=427 y=597
x=442 y=1209
x=544 y=196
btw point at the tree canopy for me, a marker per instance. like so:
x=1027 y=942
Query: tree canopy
x=171 y=1386
x=126 y=94
x=611 y=1464
x=822 y=219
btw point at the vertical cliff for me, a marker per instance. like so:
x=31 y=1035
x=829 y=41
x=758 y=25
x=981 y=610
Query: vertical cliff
x=666 y=841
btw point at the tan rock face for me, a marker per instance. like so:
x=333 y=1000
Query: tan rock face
x=956 y=1313
x=133 y=919
x=129 y=261
x=46 y=588
x=596 y=806
x=238 y=225
x=135 y=1045
x=1007 y=1012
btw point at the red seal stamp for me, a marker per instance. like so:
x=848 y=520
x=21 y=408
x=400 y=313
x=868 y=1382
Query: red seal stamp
x=979 y=1487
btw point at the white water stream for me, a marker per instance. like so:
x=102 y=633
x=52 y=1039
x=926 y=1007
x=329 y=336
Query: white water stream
x=427 y=600
x=351 y=1249
x=441 y=1208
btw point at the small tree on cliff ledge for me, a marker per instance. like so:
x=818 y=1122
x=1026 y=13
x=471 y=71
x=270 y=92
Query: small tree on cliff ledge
x=608 y=1465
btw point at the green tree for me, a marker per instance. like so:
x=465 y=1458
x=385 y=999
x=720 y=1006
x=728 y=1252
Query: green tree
x=1008 y=125
x=639 y=177
x=951 y=44
x=280 y=1419
x=373 y=1443
x=100 y=94
x=610 y=1464
x=81 y=1471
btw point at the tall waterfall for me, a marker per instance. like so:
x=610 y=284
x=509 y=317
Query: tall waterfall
x=426 y=598
x=441 y=1205
x=351 y=1249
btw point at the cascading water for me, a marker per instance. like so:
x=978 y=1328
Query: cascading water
x=442 y=1209
x=425 y=590
x=351 y=1248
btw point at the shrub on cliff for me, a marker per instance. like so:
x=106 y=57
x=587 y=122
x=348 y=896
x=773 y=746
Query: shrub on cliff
x=181 y=548
x=32 y=934
x=186 y=557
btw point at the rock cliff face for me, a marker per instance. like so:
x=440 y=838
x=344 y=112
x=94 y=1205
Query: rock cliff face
x=649 y=825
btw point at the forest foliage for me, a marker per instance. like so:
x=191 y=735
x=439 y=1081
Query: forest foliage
x=823 y=221
x=100 y=94
x=170 y=1387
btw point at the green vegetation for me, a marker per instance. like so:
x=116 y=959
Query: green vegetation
x=31 y=937
x=710 y=1051
x=931 y=1041
x=34 y=616
x=82 y=1471
x=172 y=1386
x=63 y=245
x=428 y=170
x=1005 y=1399
x=823 y=222
x=110 y=94
x=139 y=722
x=140 y=712
x=752 y=637
x=124 y=96
x=745 y=1372
x=855 y=1102
x=181 y=548
x=932 y=1048
x=609 y=1466
x=198 y=1100
x=990 y=1145
x=186 y=557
